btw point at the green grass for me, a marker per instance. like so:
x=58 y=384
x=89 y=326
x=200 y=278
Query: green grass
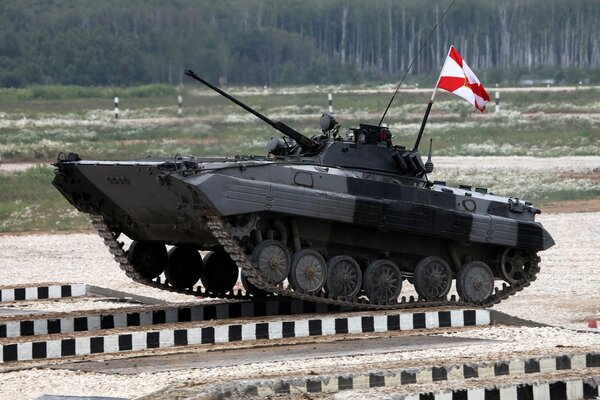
x=28 y=202
x=81 y=120
x=553 y=196
x=59 y=92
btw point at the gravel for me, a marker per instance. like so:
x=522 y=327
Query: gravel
x=567 y=290
x=70 y=258
x=566 y=294
x=14 y=167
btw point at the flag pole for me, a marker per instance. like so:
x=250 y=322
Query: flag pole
x=429 y=104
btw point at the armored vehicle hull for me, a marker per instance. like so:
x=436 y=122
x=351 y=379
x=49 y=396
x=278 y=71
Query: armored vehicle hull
x=326 y=219
x=348 y=236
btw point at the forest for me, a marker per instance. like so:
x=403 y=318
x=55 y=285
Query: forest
x=279 y=42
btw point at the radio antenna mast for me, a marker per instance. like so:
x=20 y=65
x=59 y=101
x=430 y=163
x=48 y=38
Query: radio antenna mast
x=413 y=61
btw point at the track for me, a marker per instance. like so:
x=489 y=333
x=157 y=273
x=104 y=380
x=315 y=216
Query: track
x=237 y=254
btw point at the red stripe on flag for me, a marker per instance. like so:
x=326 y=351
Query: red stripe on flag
x=451 y=83
x=480 y=91
x=455 y=56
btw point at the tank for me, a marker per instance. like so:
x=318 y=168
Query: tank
x=346 y=220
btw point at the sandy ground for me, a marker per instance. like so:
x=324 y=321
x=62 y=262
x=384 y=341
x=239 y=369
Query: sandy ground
x=566 y=294
x=75 y=258
x=567 y=291
x=13 y=167
x=528 y=164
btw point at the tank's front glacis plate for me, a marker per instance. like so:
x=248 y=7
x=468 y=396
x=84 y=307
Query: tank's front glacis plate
x=136 y=197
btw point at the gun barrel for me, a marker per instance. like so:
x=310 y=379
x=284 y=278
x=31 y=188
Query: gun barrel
x=304 y=142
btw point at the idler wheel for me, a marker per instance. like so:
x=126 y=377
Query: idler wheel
x=515 y=264
x=382 y=282
x=474 y=282
x=432 y=278
x=273 y=260
x=344 y=277
x=308 y=272
x=184 y=267
x=251 y=289
x=220 y=272
x=148 y=258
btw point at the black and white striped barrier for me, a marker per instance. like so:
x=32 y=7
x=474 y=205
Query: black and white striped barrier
x=67 y=290
x=104 y=342
x=401 y=377
x=330 y=101
x=42 y=292
x=179 y=106
x=143 y=316
x=568 y=389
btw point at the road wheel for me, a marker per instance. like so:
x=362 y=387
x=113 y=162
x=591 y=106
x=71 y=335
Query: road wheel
x=432 y=278
x=273 y=260
x=474 y=282
x=308 y=272
x=382 y=282
x=220 y=272
x=344 y=277
x=184 y=267
x=148 y=258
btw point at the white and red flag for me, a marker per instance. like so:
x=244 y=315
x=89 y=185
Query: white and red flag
x=458 y=78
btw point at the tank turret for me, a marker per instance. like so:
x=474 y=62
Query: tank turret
x=370 y=147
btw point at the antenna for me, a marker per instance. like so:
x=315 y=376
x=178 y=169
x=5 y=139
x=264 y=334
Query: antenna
x=413 y=61
x=429 y=163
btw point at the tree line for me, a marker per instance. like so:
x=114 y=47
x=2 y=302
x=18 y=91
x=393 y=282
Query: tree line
x=266 y=42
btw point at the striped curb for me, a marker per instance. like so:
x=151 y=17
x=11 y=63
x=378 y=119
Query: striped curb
x=575 y=389
x=225 y=333
x=567 y=389
x=400 y=377
x=67 y=290
x=18 y=327
x=43 y=292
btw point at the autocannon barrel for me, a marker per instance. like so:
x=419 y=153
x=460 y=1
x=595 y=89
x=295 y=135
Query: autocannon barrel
x=304 y=142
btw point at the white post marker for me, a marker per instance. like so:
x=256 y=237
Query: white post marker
x=497 y=101
x=497 y=96
x=330 y=100
x=179 y=106
x=116 y=108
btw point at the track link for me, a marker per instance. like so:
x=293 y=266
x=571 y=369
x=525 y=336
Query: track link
x=238 y=255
